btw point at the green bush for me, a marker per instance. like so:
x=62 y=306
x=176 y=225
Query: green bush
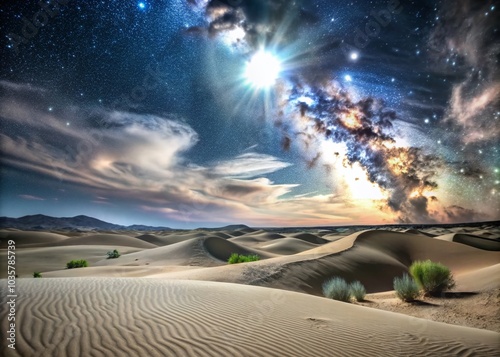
x=37 y=274
x=432 y=278
x=113 y=254
x=77 y=264
x=236 y=258
x=406 y=288
x=337 y=289
x=358 y=290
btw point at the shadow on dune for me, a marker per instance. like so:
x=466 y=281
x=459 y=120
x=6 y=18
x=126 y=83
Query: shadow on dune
x=457 y=294
x=222 y=249
x=423 y=303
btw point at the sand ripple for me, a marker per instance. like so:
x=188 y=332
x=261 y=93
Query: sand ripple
x=153 y=317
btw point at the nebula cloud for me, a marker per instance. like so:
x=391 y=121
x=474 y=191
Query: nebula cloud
x=254 y=23
x=363 y=131
x=467 y=36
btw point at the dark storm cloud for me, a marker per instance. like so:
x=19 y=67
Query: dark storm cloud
x=263 y=21
x=467 y=35
x=456 y=214
x=419 y=206
x=240 y=190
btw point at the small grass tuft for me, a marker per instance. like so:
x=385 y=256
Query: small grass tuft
x=337 y=289
x=113 y=254
x=236 y=258
x=406 y=288
x=77 y=264
x=358 y=290
x=433 y=278
x=37 y=274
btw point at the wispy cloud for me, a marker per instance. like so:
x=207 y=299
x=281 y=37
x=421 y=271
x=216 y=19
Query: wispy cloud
x=31 y=198
x=137 y=157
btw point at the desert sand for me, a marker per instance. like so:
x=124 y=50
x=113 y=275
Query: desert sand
x=172 y=293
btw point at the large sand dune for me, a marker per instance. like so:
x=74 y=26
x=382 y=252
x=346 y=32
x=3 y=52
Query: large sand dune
x=151 y=317
x=26 y=238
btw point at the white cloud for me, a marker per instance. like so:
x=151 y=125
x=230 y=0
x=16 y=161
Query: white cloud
x=31 y=198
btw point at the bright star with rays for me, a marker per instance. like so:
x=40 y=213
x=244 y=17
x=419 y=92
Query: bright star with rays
x=263 y=70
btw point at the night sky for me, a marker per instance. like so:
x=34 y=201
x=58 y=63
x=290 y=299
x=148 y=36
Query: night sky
x=189 y=113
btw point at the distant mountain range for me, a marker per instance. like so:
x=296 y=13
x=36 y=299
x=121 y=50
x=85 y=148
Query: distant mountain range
x=41 y=222
x=85 y=223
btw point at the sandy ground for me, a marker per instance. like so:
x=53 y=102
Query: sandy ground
x=168 y=294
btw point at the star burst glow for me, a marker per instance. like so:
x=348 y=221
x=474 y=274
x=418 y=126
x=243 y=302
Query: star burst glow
x=263 y=70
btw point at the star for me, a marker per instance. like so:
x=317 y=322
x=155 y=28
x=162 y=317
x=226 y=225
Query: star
x=262 y=70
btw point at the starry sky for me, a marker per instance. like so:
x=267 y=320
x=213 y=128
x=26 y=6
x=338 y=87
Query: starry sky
x=189 y=113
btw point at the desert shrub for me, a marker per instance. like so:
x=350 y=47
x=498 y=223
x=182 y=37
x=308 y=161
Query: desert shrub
x=77 y=264
x=357 y=290
x=406 y=288
x=337 y=289
x=433 y=278
x=113 y=254
x=236 y=258
x=37 y=274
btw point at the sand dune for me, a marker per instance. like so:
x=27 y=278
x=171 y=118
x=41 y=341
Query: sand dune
x=222 y=235
x=108 y=239
x=222 y=249
x=311 y=238
x=472 y=240
x=256 y=237
x=24 y=238
x=206 y=251
x=117 y=271
x=161 y=241
x=29 y=260
x=61 y=317
x=286 y=246
x=480 y=279
x=418 y=232
x=189 y=252
x=487 y=232
x=239 y=232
